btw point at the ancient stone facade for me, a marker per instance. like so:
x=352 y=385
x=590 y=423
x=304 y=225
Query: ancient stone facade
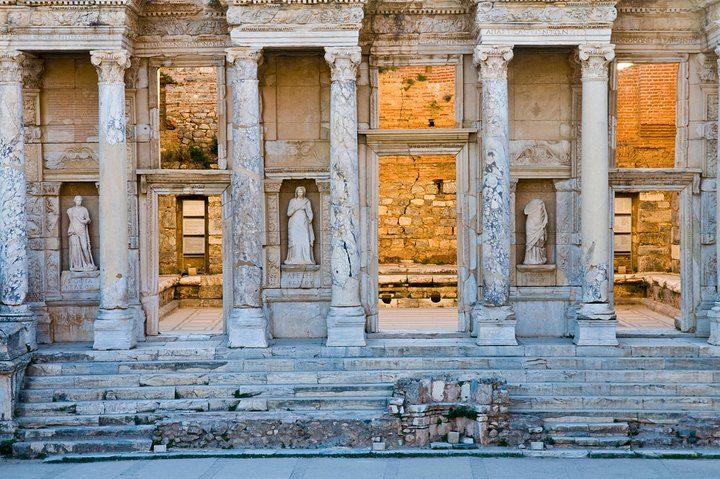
x=529 y=99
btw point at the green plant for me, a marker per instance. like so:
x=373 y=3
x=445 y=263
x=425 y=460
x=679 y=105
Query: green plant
x=462 y=411
x=434 y=108
x=408 y=83
x=447 y=98
x=166 y=79
x=421 y=77
x=6 y=447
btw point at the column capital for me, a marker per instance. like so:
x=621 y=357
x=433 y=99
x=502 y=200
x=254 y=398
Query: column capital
x=343 y=62
x=594 y=60
x=110 y=65
x=11 y=66
x=492 y=61
x=246 y=61
x=33 y=69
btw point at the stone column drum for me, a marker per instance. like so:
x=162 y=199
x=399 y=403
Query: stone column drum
x=494 y=318
x=714 y=313
x=247 y=325
x=17 y=331
x=596 y=324
x=114 y=327
x=346 y=319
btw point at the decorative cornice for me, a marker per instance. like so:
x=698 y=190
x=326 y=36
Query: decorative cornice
x=492 y=61
x=595 y=60
x=110 y=65
x=343 y=62
x=290 y=2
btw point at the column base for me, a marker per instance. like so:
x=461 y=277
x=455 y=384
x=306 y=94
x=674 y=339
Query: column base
x=247 y=328
x=17 y=332
x=596 y=325
x=346 y=326
x=714 y=320
x=494 y=325
x=114 y=329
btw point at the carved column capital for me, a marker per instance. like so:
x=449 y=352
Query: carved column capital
x=33 y=69
x=11 y=66
x=110 y=64
x=492 y=61
x=595 y=60
x=245 y=60
x=343 y=62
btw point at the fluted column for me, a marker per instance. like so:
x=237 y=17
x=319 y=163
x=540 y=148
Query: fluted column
x=596 y=323
x=114 y=327
x=247 y=325
x=493 y=315
x=346 y=319
x=714 y=313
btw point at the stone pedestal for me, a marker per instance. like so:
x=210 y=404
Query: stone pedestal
x=346 y=319
x=595 y=200
x=493 y=317
x=247 y=325
x=714 y=318
x=115 y=326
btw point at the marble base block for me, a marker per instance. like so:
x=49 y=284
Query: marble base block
x=114 y=329
x=247 y=328
x=596 y=326
x=346 y=326
x=714 y=320
x=495 y=325
x=17 y=332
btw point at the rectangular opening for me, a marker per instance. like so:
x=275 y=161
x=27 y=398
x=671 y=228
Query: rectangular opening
x=647 y=260
x=416 y=97
x=417 y=243
x=188 y=118
x=190 y=255
x=646 y=115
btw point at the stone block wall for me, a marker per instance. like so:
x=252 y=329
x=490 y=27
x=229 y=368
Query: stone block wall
x=646 y=109
x=410 y=96
x=417 y=209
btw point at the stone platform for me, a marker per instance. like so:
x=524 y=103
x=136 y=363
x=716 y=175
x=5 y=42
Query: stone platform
x=645 y=392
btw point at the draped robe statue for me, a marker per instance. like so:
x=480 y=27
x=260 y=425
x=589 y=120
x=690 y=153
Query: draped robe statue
x=300 y=231
x=79 y=238
x=535 y=232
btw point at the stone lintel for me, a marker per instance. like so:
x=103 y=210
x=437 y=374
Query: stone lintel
x=524 y=35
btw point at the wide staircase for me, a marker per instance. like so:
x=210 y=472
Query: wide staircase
x=76 y=400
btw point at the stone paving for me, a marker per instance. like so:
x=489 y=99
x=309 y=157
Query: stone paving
x=370 y=468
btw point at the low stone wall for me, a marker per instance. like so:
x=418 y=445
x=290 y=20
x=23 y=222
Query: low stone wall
x=658 y=291
x=412 y=285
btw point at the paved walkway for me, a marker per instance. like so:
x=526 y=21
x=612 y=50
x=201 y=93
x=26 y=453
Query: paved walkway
x=370 y=468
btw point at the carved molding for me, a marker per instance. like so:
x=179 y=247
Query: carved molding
x=492 y=61
x=343 y=62
x=595 y=60
x=542 y=154
x=110 y=65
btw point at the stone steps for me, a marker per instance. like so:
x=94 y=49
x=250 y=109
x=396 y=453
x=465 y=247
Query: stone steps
x=609 y=389
x=583 y=431
x=613 y=403
x=88 y=432
x=80 y=446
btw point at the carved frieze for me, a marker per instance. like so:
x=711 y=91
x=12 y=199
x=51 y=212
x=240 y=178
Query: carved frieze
x=73 y=157
x=67 y=16
x=539 y=153
x=582 y=14
x=706 y=68
x=419 y=24
x=275 y=16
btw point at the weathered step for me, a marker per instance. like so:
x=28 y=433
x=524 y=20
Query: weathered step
x=80 y=446
x=93 y=420
x=591 y=441
x=87 y=432
x=582 y=429
x=612 y=403
x=321 y=403
x=611 y=389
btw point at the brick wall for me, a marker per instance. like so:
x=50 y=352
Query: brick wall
x=410 y=96
x=417 y=209
x=646 y=105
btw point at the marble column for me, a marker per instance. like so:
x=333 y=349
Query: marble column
x=114 y=326
x=494 y=318
x=17 y=331
x=247 y=324
x=714 y=313
x=596 y=324
x=346 y=319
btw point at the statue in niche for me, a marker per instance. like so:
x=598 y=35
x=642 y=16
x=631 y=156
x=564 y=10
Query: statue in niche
x=535 y=232
x=300 y=231
x=79 y=238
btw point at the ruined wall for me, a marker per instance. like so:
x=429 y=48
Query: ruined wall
x=410 y=96
x=646 y=104
x=417 y=209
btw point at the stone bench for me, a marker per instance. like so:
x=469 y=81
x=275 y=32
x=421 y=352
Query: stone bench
x=659 y=291
x=413 y=285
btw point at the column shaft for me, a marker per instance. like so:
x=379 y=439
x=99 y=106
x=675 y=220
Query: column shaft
x=714 y=313
x=494 y=317
x=114 y=328
x=346 y=319
x=595 y=226
x=247 y=324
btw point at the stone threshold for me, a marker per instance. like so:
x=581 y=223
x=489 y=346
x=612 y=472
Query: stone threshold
x=565 y=453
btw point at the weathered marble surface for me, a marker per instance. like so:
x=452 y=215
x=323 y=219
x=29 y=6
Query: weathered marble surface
x=114 y=327
x=247 y=326
x=346 y=320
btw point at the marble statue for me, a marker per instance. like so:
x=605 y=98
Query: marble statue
x=300 y=231
x=79 y=238
x=535 y=232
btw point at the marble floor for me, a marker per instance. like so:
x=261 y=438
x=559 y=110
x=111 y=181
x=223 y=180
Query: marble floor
x=209 y=320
